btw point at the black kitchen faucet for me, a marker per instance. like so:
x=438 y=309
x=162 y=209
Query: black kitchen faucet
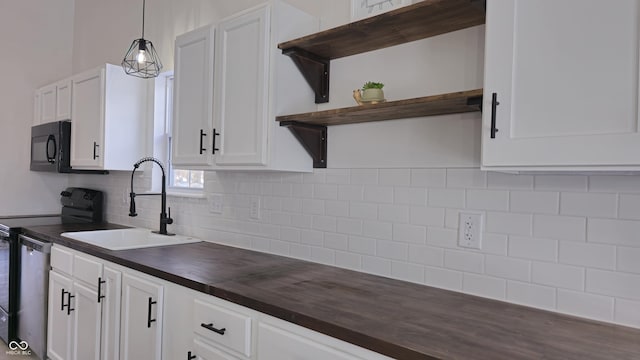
x=164 y=219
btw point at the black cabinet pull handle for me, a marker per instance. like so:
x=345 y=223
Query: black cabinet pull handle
x=100 y=282
x=95 y=152
x=214 y=141
x=149 y=319
x=202 y=134
x=69 y=297
x=494 y=105
x=62 y=305
x=51 y=158
x=190 y=357
x=210 y=327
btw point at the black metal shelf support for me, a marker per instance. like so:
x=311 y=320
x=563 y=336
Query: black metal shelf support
x=313 y=138
x=315 y=70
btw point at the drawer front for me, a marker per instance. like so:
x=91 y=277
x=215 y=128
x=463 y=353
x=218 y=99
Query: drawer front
x=207 y=318
x=87 y=269
x=62 y=260
x=204 y=351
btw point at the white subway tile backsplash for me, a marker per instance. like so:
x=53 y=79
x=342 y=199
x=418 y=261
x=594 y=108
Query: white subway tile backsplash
x=312 y=237
x=392 y=250
x=443 y=278
x=311 y=206
x=614 y=183
x=394 y=177
x=448 y=198
x=440 y=237
x=427 y=255
x=407 y=272
x=337 y=176
x=279 y=247
x=508 y=223
x=377 y=229
x=466 y=178
x=336 y=208
x=533 y=248
x=363 y=211
x=496 y=180
x=537 y=202
x=348 y=260
x=410 y=233
x=351 y=192
x=561 y=182
x=589 y=204
x=588 y=255
x=325 y=223
x=627 y=312
x=394 y=213
x=316 y=177
x=507 y=268
x=378 y=194
x=323 y=256
x=629 y=259
x=613 y=283
x=302 y=190
x=301 y=251
x=377 y=266
x=426 y=216
x=484 y=286
x=410 y=196
x=282 y=189
x=496 y=244
x=278 y=218
x=587 y=305
x=364 y=176
x=560 y=227
x=349 y=226
x=463 y=261
x=336 y=241
x=325 y=191
x=301 y=221
x=488 y=200
x=616 y=232
x=543 y=297
x=629 y=207
x=431 y=178
x=292 y=205
x=362 y=245
x=558 y=275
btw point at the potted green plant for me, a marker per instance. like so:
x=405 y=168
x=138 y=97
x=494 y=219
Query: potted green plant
x=372 y=92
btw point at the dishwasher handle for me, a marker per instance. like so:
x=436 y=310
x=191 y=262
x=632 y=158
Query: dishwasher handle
x=35 y=244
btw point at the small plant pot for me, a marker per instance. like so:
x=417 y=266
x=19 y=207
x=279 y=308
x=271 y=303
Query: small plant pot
x=372 y=95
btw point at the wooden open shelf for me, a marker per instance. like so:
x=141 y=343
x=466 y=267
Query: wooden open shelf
x=414 y=22
x=452 y=103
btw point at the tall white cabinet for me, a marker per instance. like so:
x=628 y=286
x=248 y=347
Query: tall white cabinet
x=109 y=119
x=252 y=83
x=565 y=77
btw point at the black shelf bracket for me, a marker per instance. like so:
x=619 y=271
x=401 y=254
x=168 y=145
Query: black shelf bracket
x=475 y=101
x=315 y=70
x=313 y=138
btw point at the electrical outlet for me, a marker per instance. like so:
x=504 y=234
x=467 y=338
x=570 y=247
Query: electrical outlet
x=254 y=207
x=216 y=203
x=470 y=230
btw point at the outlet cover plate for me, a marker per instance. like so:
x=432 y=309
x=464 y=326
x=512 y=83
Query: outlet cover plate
x=216 y=203
x=470 y=228
x=254 y=207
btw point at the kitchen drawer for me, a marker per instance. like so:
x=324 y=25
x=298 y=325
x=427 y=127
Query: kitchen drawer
x=205 y=351
x=62 y=260
x=87 y=269
x=237 y=327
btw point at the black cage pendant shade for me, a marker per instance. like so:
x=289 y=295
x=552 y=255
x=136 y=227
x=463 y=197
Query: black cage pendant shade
x=142 y=60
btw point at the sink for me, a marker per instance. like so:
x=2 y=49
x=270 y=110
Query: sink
x=124 y=239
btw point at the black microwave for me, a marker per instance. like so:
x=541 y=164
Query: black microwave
x=51 y=147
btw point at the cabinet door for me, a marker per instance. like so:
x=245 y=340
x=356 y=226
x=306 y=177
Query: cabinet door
x=86 y=323
x=141 y=321
x=48 y=104
x=59 y=323
x=36 y=108
x=193 y=97
x=111 y=290
x=63 y=100
x=241 y=89
x=565 y=73
x=87 y=125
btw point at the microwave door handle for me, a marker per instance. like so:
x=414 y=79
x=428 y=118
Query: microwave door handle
x=51 y=158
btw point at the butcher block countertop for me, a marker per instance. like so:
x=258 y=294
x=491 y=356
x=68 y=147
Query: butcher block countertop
x=395 y=318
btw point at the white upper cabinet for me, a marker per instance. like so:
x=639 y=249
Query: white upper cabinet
x=192 y=125
x=109 y=117
x=565 y=75
x=53 y=103
x=63 y=100
x=242 y=132
x=47 y=104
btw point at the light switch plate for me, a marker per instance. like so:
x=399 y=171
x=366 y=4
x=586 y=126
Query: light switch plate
x=254 y=207
x=216 y=203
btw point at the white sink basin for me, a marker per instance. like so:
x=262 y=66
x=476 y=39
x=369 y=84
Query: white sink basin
x=123 y=239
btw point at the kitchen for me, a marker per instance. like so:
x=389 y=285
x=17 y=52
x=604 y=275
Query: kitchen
x=557 y=241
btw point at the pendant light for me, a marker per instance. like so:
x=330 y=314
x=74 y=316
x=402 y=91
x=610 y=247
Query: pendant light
x=141 y=59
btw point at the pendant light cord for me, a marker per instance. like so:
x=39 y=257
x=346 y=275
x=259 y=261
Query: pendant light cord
x=143 y=3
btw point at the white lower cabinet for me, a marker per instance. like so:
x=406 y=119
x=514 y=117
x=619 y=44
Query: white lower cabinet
x=59 y=323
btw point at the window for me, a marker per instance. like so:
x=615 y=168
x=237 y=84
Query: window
x=178 y=179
